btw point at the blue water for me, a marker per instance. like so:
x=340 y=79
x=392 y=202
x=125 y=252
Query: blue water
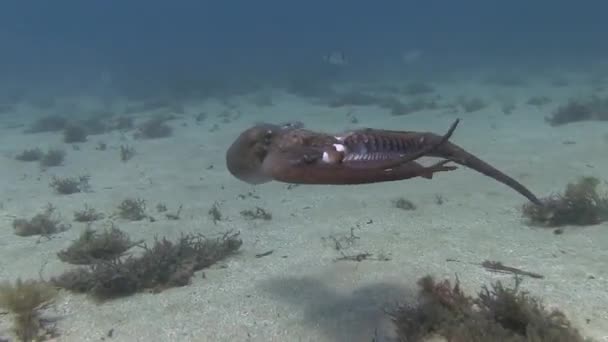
x=74 y=40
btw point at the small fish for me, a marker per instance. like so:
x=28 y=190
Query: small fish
x=336 y=58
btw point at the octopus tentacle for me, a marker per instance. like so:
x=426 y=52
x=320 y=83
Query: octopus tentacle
x=373 y=149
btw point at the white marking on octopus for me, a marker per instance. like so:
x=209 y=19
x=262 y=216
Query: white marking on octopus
x=339 y=147
x=326 y=157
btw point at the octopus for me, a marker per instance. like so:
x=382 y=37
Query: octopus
x=292 y=154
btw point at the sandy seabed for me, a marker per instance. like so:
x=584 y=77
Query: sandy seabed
x=300 y=292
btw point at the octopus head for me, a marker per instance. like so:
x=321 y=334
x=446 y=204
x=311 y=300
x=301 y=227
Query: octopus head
x=245 y=157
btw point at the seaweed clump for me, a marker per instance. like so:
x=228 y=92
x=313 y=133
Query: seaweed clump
x=126 y=153
x=30 y=155
x=164 y=265
x=538 y=101
x=404 y=204
x=257 y=214
x=418 y=88
x=70 y=185
x=354 y=98
x=396 y=106
x=470 y=105
x=74 y=133
x=24 y=300
x=581 y=204
x=45 y=224
x=93 y=126
x=53 y=157
x=215 y=214
x=121 y=123
x=92 y=246
x=594 y=108
x=87 y=214
x=497 y=313
x=132 y=209
x=154 y=128
x=51 y=123
x=399 y=108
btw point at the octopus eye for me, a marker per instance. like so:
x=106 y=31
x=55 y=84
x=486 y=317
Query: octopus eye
x=267 y=136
